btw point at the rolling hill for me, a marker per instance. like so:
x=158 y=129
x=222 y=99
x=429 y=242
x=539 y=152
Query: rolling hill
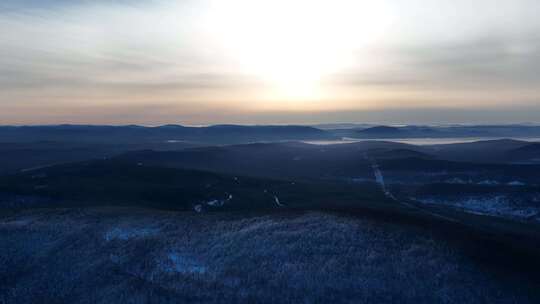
x=218 y=134
x=119 y=183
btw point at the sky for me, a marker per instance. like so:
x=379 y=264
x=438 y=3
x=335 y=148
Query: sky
x=199 y=62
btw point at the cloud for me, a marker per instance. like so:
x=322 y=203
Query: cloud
x=107 y=45
x=482 y=63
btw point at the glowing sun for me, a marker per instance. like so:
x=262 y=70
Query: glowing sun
x=293 y=44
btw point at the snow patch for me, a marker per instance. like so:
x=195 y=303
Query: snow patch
x=177 y=263
x=125 y=234
x=219 y=202
x=456 y=181
x=379 y=178
x=498 y=205
x=17 y=223
x=489 y=183
x=358 y=180
x=460 y=181
x=276 y=200
x=198 y=208
x=214 y=203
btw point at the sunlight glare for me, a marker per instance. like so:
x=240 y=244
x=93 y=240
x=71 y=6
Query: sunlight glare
x=293 y=44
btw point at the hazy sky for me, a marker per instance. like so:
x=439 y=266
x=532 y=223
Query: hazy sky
x=276 y=61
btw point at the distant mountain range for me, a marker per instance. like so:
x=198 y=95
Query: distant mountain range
x=299 y=160
x=481 y=131
x=218 y=134
x=237 y=134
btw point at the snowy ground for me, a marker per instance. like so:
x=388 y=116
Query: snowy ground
x=495 y=205
x=141 y=256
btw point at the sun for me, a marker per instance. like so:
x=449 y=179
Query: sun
x=293 y=44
